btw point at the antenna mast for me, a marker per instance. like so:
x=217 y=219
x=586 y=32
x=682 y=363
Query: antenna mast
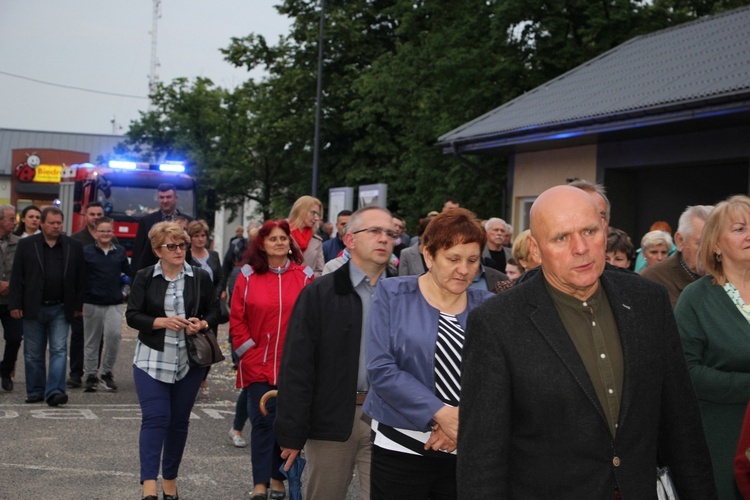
x=153 y=77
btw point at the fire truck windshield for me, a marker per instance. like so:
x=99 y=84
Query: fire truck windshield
x=139 y=201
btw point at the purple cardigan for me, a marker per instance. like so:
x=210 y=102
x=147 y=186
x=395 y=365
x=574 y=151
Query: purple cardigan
x=401 y=335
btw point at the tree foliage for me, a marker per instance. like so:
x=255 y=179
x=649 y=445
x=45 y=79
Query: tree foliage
x=397 y=74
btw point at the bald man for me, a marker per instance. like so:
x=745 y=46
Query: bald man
x=574 y=382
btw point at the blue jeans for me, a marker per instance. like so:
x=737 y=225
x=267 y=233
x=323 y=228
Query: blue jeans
x=165 y=416
x=50 y=325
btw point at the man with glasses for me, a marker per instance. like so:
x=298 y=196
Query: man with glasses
x=167 y=197
x=12 y=327
x=87 y=236
x=46 y=290
x=107 y=268
x=323 y=381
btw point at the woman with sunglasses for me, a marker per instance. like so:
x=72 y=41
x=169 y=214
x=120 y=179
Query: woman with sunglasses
x=168 y=300
x=264 y=294
x=306 y=214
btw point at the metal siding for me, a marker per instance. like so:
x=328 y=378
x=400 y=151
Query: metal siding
x=92 y=144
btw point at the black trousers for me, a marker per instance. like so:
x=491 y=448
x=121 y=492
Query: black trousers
x=396 y=476
x=13 y=335
x=75 y=351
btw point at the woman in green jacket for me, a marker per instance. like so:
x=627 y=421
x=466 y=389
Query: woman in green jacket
x=714 y=321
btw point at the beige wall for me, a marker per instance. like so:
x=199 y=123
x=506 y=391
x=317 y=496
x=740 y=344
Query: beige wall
x=540 y=170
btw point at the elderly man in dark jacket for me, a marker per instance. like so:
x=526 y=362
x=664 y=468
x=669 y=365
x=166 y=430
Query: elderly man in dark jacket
x=574 y=382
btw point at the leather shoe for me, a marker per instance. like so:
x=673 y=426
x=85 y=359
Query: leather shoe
x=276 y=494
x=34 y=399
x=170 y=497
x=151 y=497
x=57 y=399
x=7 y=384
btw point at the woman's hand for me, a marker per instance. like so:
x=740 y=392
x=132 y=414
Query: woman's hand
x=175 y=323
x=439 y=441
x=196 y=326
x=447 y=419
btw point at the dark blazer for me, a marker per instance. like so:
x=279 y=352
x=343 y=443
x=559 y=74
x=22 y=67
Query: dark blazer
x=532 y=426
x=27 y=278
x=146 y=303
x=142 y=255
x=219 y=278
x=320 y=363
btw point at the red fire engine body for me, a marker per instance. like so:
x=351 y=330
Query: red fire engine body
x=127 y=194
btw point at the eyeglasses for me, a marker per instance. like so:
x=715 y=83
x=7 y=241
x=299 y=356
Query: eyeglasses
x=377 y=232
x=104 y=231
x=174 y=246
x=315 y=213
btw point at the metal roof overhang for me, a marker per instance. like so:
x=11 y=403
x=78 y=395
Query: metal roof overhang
x=587 y=130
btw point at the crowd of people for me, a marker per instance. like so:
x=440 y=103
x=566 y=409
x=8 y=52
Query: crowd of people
x=577 y=365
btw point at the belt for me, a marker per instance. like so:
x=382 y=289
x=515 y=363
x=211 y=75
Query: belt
x=51 y=302
x=361 y=395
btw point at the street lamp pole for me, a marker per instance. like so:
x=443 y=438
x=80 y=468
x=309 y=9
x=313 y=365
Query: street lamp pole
x=316 y=144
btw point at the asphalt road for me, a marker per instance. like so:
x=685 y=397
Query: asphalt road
x=88 y=448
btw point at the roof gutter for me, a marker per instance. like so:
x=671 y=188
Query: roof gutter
x=592 y=126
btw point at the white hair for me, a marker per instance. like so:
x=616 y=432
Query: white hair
x=653 y=238
x=494 y=220
x=685 y=224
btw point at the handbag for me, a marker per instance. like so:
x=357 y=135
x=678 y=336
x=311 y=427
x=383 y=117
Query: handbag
x=202 y=348
x=224 y=316
x=665 y=489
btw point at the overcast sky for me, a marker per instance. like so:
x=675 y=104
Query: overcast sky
x=105 y=45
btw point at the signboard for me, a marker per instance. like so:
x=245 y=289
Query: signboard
x=48 y=173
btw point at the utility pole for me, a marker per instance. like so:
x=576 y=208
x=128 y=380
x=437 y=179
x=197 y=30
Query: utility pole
x=316 y=145
x=153 y=77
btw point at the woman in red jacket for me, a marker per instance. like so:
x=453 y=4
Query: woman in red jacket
x=265 y=292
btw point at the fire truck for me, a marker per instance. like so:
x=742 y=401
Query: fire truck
x=127 y=190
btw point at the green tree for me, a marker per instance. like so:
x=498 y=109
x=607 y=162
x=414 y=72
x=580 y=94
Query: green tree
x=397 y=75
x=186 y=121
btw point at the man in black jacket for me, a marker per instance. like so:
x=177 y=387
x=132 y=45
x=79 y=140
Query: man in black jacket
x=322 y=380
x=46 y=290
x=167 y=197
x=574 y=383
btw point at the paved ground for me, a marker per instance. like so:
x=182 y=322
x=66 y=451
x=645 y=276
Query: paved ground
x=89 y=447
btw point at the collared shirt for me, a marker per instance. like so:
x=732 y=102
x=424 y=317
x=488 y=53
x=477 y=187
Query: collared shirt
x=171 y=364
x=365 y=290
x=592 y=328
x=480 y=281
x=53 y=271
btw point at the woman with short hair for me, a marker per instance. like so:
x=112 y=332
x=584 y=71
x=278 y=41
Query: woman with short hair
x=619 y=249
x=168 y=301
x=415 y=334
x=209 y=261
x=655 y=246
